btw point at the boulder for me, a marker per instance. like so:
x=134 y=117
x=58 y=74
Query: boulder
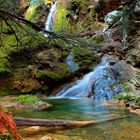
x=133 y=56
x=112 y=17
x=109 y=76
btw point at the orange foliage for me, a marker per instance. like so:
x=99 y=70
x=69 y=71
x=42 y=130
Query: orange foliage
x=7 y=125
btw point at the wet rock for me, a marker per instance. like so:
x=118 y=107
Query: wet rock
x=109 y=76
x=27 y=102
x=112 y=17
x=133 y=56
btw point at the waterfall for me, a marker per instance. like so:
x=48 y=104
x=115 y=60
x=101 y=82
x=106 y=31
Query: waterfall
x=102 y=82
x=80 y=88
x=49 y=21
x=72 y=65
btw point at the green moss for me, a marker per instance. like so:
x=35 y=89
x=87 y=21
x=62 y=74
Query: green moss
x=62 y=72
x=127 y=88
x=27 y=99
x=31 y=13
x=10 y=43
x=98 y=38
x=84 y=58
x=40 y=74
x=64 y=67
x=4 y=67
x=80 y=16
x=60 y=23
x=80 y=51
x=128 y=99
x=37 y=11
x=54 y=75
x=5 y=91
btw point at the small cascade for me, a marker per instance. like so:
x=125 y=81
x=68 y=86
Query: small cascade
x=102 y=83
x=72 y=65
x=79 y=89
x=49 y=21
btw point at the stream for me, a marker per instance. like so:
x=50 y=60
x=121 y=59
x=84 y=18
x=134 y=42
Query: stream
x=127 y=128
x=72 y=103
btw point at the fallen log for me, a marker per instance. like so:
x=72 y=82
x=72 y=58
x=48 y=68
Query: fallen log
x=65 y=123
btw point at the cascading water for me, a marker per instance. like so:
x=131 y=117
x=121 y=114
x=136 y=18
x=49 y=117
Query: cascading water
x=103 y=81
x=49 y=21
x=72 y=65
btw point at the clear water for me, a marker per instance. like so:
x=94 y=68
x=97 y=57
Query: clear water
x=69 y=109
x=127 y=128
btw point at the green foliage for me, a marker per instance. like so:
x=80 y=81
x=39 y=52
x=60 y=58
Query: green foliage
x=127 y=88
x=10 y=44
x=138 y=101
x=27 y=99
x=6 y=137
x=80 y=16
x=118 y=97
x=128 y=99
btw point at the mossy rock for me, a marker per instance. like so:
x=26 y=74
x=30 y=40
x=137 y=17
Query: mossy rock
x=37 y=12
x=98 y=38
x=10 y=45
x=51 y=55
x=80 y=16
x=40 y=74
x=83 y=58
x=61 y=73
x=60 y=21
x=49 y=76
x=26 y=85
x=27 y=99
x=4 y=91
x=4 y=66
